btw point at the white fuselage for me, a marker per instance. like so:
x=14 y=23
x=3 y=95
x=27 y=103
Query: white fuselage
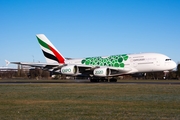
x=143 y=62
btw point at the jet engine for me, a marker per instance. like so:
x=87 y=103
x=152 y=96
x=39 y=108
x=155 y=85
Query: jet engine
x=102 y=72
x=69 y=70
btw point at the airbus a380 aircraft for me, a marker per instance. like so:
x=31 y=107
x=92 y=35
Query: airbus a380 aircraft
x=101 y=68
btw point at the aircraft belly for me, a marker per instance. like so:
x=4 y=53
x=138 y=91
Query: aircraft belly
x=145 y=67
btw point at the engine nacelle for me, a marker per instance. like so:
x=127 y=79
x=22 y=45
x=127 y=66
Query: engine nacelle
x=102 y=72
x=69 y=70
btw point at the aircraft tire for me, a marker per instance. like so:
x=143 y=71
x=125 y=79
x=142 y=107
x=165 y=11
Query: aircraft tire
x=113 y=80
x=94 y=80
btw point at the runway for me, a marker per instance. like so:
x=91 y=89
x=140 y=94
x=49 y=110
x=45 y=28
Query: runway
x=28 y=81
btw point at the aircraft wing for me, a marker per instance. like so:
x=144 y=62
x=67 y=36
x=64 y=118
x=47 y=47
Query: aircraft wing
x=122 y=70
x=32 y=64
x=83 y=69
x=114 y=71
x=119 y=71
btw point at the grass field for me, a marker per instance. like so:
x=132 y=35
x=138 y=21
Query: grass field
x=89 y=101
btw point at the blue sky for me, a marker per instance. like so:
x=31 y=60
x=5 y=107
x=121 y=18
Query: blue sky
x=83 y=28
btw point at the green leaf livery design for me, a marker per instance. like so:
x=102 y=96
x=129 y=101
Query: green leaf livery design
x=113 y=61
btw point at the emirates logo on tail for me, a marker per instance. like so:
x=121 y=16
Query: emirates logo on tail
x=49 y=51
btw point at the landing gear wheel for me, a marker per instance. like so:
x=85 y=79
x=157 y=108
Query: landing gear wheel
x=94 y=80
x=113 y=80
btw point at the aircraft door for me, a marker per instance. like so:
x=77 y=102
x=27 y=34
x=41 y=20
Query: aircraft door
x=157 y=63
x=133 y=63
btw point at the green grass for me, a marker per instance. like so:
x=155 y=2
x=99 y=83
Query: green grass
x=89 y=101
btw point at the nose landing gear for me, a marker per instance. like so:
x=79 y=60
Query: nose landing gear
x=165 y=75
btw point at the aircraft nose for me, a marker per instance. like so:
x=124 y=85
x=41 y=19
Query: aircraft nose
x=173 y=64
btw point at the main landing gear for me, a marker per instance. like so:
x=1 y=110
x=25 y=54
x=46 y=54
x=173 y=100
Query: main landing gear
x=103 y=80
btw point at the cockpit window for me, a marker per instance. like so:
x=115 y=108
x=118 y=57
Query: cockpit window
x=168 y=60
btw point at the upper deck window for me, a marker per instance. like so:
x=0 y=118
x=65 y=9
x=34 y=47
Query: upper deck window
x=168 y=60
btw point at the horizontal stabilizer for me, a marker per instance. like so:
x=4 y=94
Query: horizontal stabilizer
x=7 y=62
